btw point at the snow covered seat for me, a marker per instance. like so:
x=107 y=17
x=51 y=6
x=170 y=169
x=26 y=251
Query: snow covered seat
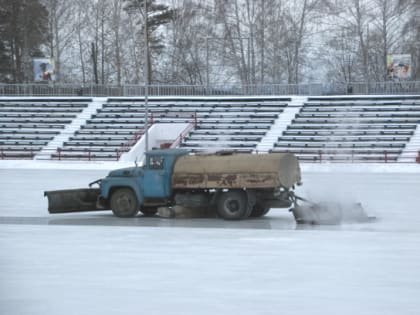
x=347 y=126
x=356 y=120
x=103 y=137
x=5 y=142
x=346 y=132
x=357 y=138
x=209 y=126
x=235 y=132
x=28 y=131
x=350 y=144
x=94 y=143
x=346 y=115
x=223 y=137
x=83 y=155
x=37 y=110
x=94 y=127
x=87 y=148
x=29 y=120
x=22 y=148
x=103 y=133
x=28 y=137
x=217 y=149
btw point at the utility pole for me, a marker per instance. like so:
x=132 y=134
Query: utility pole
x=146 y=77
x=26 y=58
x=207 y=63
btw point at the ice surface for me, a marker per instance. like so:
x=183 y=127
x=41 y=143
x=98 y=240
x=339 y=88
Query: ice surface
x=94 y=263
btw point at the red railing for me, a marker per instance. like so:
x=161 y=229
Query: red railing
x=28 y=153
x=88 y=151
x=182 y=135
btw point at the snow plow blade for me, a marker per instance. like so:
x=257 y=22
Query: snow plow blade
x=330 y=213
x=73 y=200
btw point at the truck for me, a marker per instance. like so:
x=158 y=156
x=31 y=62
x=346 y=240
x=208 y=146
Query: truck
x=233 y=185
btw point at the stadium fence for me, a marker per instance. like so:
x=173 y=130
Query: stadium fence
x=313 y=89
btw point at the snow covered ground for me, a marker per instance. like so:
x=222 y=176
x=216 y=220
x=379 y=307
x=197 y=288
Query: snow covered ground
x=94 y=263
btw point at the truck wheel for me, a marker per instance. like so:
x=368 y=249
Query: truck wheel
x=124 y=203
x=233 y=205
x=259 y=211
x=149 y=211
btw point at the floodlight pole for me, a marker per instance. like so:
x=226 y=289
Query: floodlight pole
x=146 y=77
x=207 y=63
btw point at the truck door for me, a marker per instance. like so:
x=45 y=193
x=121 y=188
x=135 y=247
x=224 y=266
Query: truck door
x=156 y=178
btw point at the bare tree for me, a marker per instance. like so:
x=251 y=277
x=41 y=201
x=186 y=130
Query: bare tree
x=220 y=41
x=22 y=32
x=388 y=29
x=189 y=28
x=238 y=39
x=411 y=35
x=352 y=19
x=61 y=29
x=299 y=18
x=152 y=16
x=117 y=11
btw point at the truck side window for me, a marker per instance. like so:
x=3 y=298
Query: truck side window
x=156 y=162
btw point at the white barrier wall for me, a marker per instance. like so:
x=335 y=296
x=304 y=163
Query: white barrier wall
x=158 y=134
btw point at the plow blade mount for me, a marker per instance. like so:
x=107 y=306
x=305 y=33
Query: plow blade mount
x=72 y=200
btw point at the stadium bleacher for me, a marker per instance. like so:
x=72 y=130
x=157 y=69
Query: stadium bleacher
x=29 y=124
x=235 y=124
x=351 y=128
x=229 y=122
x=333 y=128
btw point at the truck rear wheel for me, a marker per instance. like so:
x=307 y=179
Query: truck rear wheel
x=259 y=211
x=124 y=203
x=233 y=205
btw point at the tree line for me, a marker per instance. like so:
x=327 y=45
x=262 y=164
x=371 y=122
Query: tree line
x=199 y=42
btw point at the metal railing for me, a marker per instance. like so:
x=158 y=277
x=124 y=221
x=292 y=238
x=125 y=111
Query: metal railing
x=314 y=89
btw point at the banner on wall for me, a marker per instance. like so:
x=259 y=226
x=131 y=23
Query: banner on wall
x=399 y=66
x=44 y=69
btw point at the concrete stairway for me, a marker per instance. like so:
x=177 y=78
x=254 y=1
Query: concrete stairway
x=280 y=125
x=69 y=130
x=412 y=148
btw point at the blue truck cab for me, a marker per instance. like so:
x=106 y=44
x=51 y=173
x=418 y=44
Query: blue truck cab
x=144 y=188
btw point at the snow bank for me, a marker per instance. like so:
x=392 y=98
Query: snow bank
x=76 y=165
x=360 y=167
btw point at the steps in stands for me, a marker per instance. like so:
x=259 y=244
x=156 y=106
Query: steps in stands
x=412 y=148
x=280 y=125
x=57 y=142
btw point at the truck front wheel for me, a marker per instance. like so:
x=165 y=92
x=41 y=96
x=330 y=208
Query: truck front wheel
x=124 y=203
x=233 y=205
